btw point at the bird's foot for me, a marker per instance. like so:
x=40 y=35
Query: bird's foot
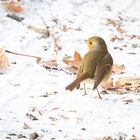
x=85 y=93
x=99 y=94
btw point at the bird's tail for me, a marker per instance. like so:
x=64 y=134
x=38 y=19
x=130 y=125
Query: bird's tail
x=72 y=85
x=76 y=82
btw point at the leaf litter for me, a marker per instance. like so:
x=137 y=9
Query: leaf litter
x=63 y=109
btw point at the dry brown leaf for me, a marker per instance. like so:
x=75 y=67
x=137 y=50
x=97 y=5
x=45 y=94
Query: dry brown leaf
x=118 y=69
x=128 y=101
x=114 y=38
x=65 y=28
x=117 y=84
x=111 y=22
x=53 y=119
x=66 y=59
x=45 y=31
x=64 y=117
x=116 y=25
x=26 y=126
x=109 y=84
x=32 y=117
x=13 y=62
x=129 y=83
x=34 y=136
x=13 y=7
x=56 y=108
x=107 y=138
x=50 y=63
x=73 y=63
x=120 y=29
x=54 y=42
x=77 y=57
x=4 y=63
x=118 y=48
x=72 y=70
x=138 y=36
x=103 y=138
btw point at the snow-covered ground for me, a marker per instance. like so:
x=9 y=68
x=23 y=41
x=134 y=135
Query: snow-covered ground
x=28 y=89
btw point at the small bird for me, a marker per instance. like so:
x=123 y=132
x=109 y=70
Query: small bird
x=96 y=65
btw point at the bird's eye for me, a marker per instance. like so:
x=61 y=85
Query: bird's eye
x=90 y=43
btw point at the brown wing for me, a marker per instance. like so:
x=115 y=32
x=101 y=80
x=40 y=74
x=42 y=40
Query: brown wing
x=88 y=65
x=103 y=70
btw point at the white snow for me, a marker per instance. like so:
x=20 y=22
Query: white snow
x=64 y=115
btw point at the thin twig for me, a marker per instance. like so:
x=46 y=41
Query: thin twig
x=54 y=40
x=22 y=54
x=45 y=32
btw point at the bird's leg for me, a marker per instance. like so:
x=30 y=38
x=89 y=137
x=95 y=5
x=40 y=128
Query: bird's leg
x=85 y=93
x=99 y=93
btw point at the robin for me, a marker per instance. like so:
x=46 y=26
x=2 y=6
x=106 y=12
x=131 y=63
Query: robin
x=96 y=65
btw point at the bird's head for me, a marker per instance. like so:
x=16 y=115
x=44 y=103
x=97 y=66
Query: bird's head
x=97 y=43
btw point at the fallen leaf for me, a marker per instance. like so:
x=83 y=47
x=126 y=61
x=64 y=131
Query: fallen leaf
x=12 y=134
x=56 y=108
x=44 y=31
x=111 y=22
x=84 y=129
x=13 y=62
x=53 y=119
x=127 y=83
x=30 y=116
x=118 y=48
x=34 y=136
x=118 y=69
x=77 y=57
x=72 y=70
x=132 y=53
x=109 y=84
x=120 y=29
x=128 y=101
x=72 y=111
x=64 y=117
x=66 y=59
x=13 y=7
x=73 y=63
x=26 y=126
x=114 y=38
x=65 y=28
x=51 y=63
x=107 y=138
x=4 y=62
x=135 y=45
x=21 y=136
x=138 y=36
x=118 y=84
x=130 y=81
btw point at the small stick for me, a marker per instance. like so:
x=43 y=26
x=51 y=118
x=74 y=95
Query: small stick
x=54 y=42
x=23 y=54
x=53 y=39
